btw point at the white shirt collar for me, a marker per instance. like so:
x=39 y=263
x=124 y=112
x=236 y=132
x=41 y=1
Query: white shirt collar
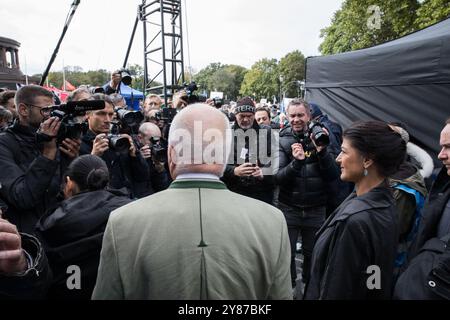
x=207 y=176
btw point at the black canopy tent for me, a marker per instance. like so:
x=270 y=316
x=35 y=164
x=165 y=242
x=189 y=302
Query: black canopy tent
x=406 y=80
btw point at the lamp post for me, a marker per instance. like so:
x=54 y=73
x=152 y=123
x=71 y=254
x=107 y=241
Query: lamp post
x=281 y=88
x=302 y=88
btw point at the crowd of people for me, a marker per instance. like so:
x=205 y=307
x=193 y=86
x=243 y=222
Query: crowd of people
x=131 y=204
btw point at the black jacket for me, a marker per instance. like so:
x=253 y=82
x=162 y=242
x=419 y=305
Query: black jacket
x=250 y=186
x=432 y=211
x=428 y=274
x=124 y=170
x=362 y=232
x=303 y=182
x=29 y=182
x=73 y=234
x=34 y=282
x=158 y=181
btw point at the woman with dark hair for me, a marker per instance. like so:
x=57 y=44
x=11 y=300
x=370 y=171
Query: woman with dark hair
x=73 y=233
x=355 y=249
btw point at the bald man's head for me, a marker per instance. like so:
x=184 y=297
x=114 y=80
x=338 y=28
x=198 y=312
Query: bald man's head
x=148 y=130
x=199 y=141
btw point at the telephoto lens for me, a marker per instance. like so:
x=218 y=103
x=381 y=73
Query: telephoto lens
x=118 y=143
x=318 y=134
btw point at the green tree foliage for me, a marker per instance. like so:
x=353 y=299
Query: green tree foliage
x=261 y=81
x=203 y=77
x=223 y=78
x=355 y=25
x=77 y=77
x=432 y=11
x=137 y=73
x=292 y=69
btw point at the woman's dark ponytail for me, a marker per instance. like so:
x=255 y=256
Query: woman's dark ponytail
x=97 y=179
x=89 y=172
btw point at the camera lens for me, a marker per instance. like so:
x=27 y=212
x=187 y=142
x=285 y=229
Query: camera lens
x=119 y=144
x=126 y=78
x=318 y=134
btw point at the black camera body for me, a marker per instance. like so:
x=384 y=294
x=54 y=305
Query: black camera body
x=125 y=76
x=191 y=96
x=67 y=113
x=118 y=143
x=315 y=130
x=218 y=103
x=159 y=153
x=129 y=119
x=166 y=115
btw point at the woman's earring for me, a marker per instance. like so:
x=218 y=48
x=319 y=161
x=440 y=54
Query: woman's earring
x=365 y=172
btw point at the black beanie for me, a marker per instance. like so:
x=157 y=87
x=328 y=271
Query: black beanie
x=245 y=105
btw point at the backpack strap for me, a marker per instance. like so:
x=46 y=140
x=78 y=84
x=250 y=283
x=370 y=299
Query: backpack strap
x=403 y=248
x=420 y=201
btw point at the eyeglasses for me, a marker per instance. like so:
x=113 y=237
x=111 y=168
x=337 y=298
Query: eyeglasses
x=45 y=111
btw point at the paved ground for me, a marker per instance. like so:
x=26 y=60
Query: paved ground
x=299 y=262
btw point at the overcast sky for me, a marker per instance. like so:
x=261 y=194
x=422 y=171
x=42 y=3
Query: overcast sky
x=227 y=31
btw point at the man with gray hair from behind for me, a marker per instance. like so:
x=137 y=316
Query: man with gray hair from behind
x=197 y=239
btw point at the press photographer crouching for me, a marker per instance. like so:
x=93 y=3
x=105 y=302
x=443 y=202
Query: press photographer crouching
x=126 y=166
x=154 y=151
x=72 y=233
x=305 y=168
x=31 y=161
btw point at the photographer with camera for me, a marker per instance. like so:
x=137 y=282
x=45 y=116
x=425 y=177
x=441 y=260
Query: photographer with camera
x=114 y=85
x=152 y=102
x=126 y=165
x=31 y=161
x=244 y=175
x=305 y=168
x=154 y=151
x=118 y=76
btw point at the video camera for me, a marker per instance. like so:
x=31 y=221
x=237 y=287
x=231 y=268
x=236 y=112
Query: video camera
x=67 y=113
x=190 y=97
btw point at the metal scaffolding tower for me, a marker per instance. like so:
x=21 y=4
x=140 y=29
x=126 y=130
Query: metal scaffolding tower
x=163 y=46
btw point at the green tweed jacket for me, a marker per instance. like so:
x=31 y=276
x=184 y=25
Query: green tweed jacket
x=195 y=240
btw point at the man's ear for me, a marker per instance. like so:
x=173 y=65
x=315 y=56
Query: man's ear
x=172 y=160
x=24 y=110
